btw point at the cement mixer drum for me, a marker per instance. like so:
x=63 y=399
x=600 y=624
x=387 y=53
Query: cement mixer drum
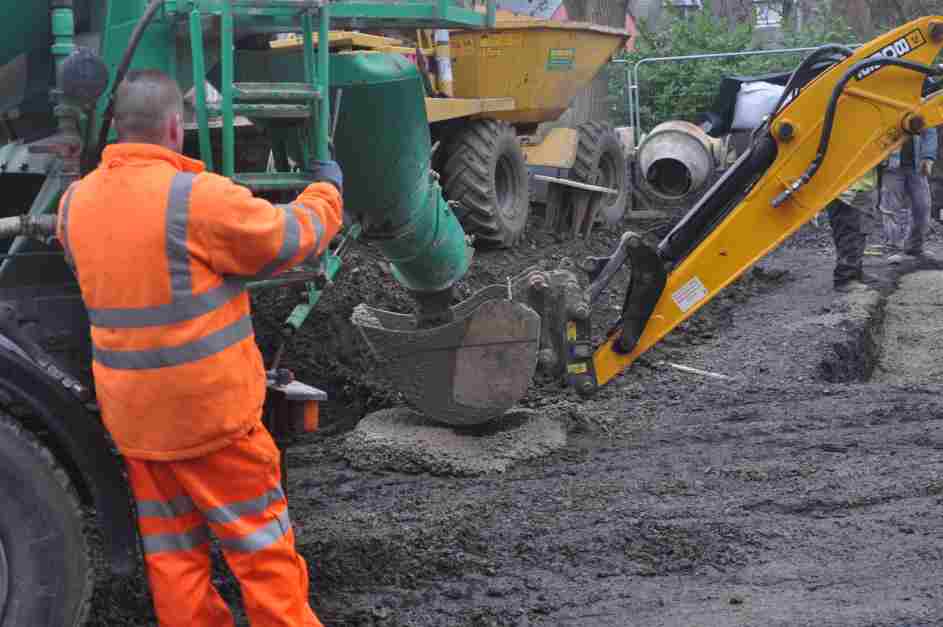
x=676 y=160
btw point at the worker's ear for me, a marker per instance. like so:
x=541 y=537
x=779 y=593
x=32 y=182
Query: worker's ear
x=175 y=132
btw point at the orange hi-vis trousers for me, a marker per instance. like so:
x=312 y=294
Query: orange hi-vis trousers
x=235 y=493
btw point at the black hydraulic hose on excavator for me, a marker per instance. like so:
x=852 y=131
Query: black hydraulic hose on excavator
x=829 y=122
x=734 y=185
x=122 y=70
x=804 y=65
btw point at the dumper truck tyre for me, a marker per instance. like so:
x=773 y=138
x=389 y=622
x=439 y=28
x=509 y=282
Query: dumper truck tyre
x=485 y=172
x=46 y=573
x=600 y=151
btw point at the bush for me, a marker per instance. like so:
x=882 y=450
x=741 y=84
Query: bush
x=682 y=90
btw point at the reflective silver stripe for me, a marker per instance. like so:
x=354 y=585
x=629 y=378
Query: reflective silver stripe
x=212 y=344
x=318 y=228
x=234 y=511
x=184 y=304
x=182 y=309
x=291 y=242
x=177 y=221
x=64 y=227
x=165 y=509
x=165 y=542
x=261 y=538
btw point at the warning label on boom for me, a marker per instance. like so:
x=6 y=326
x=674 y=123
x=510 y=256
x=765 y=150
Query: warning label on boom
x=689 y=294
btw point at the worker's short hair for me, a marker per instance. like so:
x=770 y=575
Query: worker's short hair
x=143 y=103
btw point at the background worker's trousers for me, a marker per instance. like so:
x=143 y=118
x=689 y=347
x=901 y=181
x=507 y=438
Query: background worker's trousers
x=851 y=226
x=905 y=196
x=235 y=492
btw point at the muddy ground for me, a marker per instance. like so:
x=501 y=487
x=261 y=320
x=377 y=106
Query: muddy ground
x=805 y=489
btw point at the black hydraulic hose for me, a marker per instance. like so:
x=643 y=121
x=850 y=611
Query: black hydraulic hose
x=829 y=123
x=806 y=63
x=39 y=227
x=133 y=42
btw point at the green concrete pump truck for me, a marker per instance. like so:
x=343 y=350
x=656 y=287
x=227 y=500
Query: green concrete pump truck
x=259 y=114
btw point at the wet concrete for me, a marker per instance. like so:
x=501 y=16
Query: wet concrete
x=402 y=440
x=913 y=348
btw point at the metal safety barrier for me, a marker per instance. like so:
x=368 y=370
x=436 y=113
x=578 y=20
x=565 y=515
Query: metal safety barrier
x=690 y=103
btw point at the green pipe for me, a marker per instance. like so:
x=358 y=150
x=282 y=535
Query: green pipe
x=308 y=47
x=382 y=143
x=324 y=78
x=311 y=77
x=429 y=254
x=199 y=88
x=226 y=60
x=386 y=158
x=63 y=33
x=332 y=267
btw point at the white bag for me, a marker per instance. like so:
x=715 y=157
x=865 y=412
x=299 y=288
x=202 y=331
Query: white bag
x=754 y=102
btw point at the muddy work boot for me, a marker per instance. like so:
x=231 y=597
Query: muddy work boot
x=851 y=285
x=899 y=258
x=850 y=226
x=918 y=255
x=856 y=282
x=869 y=279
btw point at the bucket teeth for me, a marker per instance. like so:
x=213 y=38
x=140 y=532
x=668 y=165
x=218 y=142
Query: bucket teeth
x=463 y=373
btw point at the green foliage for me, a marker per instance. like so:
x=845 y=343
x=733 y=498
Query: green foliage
x=683 y=90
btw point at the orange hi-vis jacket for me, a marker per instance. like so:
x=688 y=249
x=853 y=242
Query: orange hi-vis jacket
x=163 y=252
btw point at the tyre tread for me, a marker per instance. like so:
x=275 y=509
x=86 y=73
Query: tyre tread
x=11 y=428
x=466 y=179
x=593 y=137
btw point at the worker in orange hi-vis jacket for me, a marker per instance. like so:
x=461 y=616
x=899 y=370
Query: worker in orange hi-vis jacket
x=163 y=251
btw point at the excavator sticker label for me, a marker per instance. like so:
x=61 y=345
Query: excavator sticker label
x=689 y=294
x=561 y=59
x=897 y=50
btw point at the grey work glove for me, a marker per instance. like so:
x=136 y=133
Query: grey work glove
x=327 y=172
x=926 y=167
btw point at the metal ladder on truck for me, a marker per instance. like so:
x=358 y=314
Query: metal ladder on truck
x=306 y=103
x=298 y=107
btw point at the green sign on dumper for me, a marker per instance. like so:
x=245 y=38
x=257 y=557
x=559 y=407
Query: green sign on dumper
x=561 y=59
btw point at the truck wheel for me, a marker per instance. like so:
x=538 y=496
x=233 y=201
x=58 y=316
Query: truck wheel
x=46 y=574
x=600 y=149
x=484 y=170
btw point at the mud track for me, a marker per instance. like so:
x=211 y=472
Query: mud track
x=805 y=490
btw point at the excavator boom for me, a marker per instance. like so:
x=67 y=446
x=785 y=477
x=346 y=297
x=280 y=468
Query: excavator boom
x=840 y=125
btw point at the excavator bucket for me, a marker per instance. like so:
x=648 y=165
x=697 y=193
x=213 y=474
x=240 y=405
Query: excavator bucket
x=463 y=373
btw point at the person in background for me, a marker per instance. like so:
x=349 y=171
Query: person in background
x=905 y=196
x=852 y=218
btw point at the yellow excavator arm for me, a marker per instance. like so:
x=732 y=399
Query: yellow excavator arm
x=838 y=126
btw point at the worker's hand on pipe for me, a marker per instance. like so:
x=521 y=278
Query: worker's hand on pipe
x=926 y=167
x=328 y=172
